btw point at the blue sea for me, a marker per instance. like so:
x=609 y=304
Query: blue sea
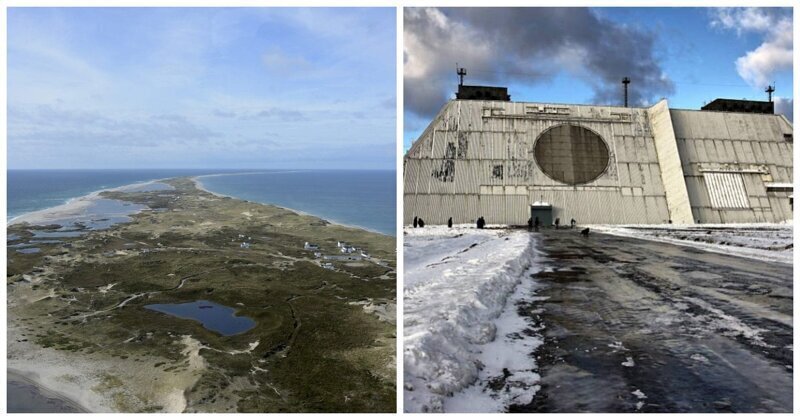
x=360 y=198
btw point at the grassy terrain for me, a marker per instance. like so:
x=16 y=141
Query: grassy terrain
x=314 y=348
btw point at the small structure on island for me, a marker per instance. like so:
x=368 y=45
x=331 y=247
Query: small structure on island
x=310 y=247
x=348 y=257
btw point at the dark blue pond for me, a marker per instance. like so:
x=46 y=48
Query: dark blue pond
x=215 y=317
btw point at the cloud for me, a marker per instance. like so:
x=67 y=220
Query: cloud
x=275 y=113
x=223 y=114
x=279 y=62
x=221 y=84
x=61 y=128
x=774 y=54
x=525 y=45
x=389 y=103
x=785 y=106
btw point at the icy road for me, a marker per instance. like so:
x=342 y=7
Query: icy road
x=635 y=325
x=506 y=320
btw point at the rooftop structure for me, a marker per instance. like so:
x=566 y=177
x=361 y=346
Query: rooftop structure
x=740 y=105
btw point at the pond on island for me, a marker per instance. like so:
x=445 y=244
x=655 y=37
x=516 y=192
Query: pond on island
x=215 y=317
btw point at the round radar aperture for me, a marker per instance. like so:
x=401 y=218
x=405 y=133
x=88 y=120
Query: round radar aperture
x=571 y=154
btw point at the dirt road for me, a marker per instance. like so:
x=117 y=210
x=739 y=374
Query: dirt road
x=633 y=325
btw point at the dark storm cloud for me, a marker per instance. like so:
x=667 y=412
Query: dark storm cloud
x=526 y=45
x=785 y=106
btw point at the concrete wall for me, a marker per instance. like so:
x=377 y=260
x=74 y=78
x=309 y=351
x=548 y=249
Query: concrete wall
x=680 y=211
x=477 y=159
x=752 y=146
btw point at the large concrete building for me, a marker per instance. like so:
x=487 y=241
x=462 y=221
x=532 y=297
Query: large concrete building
x=598 y=164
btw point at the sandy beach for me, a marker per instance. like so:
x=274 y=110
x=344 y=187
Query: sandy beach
x=26 y=395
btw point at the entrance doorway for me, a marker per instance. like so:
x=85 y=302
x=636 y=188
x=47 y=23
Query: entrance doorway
x=544 y=211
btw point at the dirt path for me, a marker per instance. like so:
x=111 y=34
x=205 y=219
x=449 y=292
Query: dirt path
x=633 y=325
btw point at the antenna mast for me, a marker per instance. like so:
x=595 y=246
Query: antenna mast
x=461 y=71
x=625 y=82
x=769 y=90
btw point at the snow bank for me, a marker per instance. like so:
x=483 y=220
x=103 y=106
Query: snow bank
x=762 y=241
x=509 y=374
x=457 y=282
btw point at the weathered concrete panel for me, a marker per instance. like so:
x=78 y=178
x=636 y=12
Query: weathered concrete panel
x=477 y=158
x=670 y=162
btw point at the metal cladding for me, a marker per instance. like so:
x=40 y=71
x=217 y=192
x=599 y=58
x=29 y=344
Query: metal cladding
x=598 y=164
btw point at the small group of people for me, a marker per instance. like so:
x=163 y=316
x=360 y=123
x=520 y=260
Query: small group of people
x=481 y=222
x=418 y=222
x=534 y=223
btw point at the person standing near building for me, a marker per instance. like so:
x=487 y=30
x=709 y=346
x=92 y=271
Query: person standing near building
x=572 y=224
x=450 y=222
x=557 y=222
x=415 y=221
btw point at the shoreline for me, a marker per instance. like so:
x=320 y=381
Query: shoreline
x=77 y=203
x=16 y=375
x=200 y=186
x=70 y=203
x=130 y=363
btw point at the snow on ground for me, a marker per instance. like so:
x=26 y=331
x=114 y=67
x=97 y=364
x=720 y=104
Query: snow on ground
x=460 y=318
x=763 y=241
x=509 y=369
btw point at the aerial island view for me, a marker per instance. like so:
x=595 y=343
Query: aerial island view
x=265 y=285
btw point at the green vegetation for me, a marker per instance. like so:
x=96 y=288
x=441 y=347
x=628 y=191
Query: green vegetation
x=314 y=347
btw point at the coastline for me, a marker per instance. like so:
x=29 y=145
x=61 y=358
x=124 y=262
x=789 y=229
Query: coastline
x=70 y=366
x=200 y=186
x=25 y=378
x=78 y=380
x=72 y=206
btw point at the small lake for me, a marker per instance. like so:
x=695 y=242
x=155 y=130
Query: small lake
x=215 y=317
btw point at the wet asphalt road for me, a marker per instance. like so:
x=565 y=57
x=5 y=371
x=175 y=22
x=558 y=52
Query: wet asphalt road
x=633 y=325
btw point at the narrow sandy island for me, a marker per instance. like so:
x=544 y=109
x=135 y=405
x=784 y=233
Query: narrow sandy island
x=79 y=323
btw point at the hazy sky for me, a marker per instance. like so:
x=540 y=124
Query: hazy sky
x=201 y=88
x=578 y=55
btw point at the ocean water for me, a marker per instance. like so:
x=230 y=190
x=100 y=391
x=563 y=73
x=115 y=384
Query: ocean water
x=26 y=397
x=31 y=190
x=359 y=198
x=353 y=197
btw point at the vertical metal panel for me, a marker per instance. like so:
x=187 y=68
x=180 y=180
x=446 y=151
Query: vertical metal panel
x=726 y=190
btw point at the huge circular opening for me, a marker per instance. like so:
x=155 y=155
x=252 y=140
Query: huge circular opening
x=571 y=154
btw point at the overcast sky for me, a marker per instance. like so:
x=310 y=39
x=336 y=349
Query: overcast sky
x=579 y=55
x=201 y=88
